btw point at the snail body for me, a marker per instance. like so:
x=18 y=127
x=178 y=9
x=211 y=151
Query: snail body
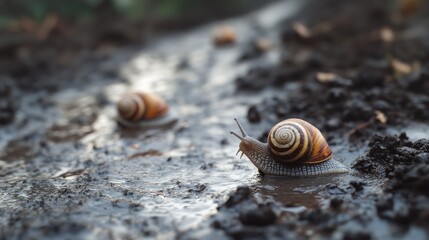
x=140 y=109
x=294 y=148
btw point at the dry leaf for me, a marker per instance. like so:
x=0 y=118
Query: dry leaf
x=324 y=77
x=380 y=117
x=47 y=26
x=263 y=44
x=409 y=7
x=135 y=146
x=358 y=129
x=28 y=24
x=148 y=153
x=71 y=173
x=301 y=30
x=324 y=27
x=387 y=35
x=401 y=67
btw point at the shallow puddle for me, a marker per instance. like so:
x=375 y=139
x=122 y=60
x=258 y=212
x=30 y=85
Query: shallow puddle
x=296 y=192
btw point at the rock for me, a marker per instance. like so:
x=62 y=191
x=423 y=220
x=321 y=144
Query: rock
x=263 y=216
x=333 y=123
x=368 y=79
x=336 y=94
x=7 y=104
x=422 y=158
x=242 y=194
x=253 y=114
x=357 y=236
x=336 y=203
x=357 y=185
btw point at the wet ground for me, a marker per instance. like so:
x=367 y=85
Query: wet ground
x=68 y=170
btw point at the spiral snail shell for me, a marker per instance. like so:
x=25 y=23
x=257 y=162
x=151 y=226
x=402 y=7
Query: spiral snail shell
x=294 y=148
x=141 y=109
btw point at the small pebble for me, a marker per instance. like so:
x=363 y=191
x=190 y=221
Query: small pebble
x=242 y=193
x=357 y=236
x=262 y=216
x=357 y=185
x=336 y=203
x=253 y=115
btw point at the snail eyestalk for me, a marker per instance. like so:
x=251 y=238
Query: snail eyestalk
x=239 y=137
x=242 y=153
x=245 y=140
x=241 y=128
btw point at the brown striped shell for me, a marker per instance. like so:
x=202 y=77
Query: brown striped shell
x=138 y=106
x=297 y=141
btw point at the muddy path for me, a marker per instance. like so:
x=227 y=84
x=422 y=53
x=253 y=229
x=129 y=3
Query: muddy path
x=69 y=170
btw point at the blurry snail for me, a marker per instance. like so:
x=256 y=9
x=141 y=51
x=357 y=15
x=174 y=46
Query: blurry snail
x=140 y=109
x=224 y=35
x=294 y=148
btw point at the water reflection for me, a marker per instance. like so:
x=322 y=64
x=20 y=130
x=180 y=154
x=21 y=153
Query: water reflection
x=293 y=192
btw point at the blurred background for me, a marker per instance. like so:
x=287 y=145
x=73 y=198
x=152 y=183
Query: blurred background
x=35 y=32
x=171 y=13
x=50 y=29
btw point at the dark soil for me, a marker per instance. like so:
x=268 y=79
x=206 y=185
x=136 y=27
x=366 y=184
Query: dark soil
x=357 y=70
x=395 y=163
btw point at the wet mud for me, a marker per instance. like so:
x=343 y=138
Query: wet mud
x=69 y=170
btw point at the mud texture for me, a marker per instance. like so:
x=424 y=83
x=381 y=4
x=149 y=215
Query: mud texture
x=357 y=70
x=350 y=209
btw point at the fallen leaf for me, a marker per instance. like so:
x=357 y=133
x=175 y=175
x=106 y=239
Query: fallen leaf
x=148 y=153
x=323 y=27
x=71 y=173
x=358 y=129
x=28 y=24
x=380 y=117
x=301 y=30
x=263 y=44
x=409 y=7
x=401 y=67
x=387 y=35
x=324 y=77
x=135 y=146
x=47 y=26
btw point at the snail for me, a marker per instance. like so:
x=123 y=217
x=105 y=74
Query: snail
x=294 y=148
x=224 y=35
x=141 y=109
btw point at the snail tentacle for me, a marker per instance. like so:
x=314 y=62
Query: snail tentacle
x=241 y=128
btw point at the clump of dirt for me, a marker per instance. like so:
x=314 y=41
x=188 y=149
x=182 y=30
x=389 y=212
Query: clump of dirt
x=7 y=103
x=260 y=77
x=405 y=164
x=385 y=154
x=242 y=217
